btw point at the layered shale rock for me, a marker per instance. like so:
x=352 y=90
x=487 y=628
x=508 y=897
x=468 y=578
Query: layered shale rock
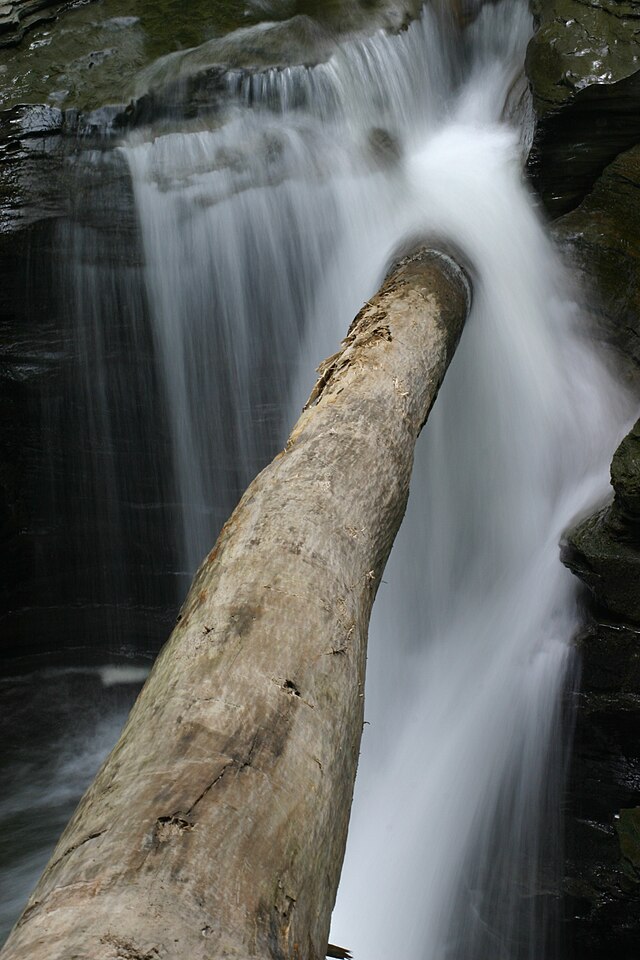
x=17 y=17
x=68 y=234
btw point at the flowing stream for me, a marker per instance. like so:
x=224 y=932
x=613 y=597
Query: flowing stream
x=262 y=233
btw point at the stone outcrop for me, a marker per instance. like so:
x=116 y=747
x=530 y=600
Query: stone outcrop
x=307 y=36
x=603 y=549
x=584 y=69
x=602 y=238
x=17 y=17
x=600 y=549
x=602 y=880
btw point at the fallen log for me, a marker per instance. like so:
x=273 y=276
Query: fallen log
x=217 y=826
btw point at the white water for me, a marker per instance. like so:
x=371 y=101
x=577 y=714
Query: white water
x=262 y=237
x=455 y=825
x=456 y=809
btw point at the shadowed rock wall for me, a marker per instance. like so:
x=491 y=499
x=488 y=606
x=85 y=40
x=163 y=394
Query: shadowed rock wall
x=584 y=69
x=602 y=882
x=17 y=17
x=602 y=238
x=585 y=78
x=69 y=577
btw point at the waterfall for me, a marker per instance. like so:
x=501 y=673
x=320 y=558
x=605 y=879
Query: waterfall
x=261 y=233
x=455 y=824
x=264 y=236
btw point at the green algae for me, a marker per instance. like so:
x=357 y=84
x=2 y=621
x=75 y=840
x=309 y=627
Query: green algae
x=91 y=53
x=579 y=44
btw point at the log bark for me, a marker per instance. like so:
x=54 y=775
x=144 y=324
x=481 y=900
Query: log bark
x=217 y=826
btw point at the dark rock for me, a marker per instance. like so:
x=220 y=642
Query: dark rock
x=601 y=885
x=606 y=564
x=602 y=877
x=60 y=584
x=584 y=69
x=17 y=17
x=94 y=53
x=306 y=38
x=385 y=149
x=602 y=239
x=625 y=479
x=604 y=549
x=628 y=830
x=31 y=157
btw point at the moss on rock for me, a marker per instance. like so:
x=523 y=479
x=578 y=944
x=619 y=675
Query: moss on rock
x=580 y=44
x=93 y=52
x=583 y=66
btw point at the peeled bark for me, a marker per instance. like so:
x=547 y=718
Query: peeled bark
x=217 y=826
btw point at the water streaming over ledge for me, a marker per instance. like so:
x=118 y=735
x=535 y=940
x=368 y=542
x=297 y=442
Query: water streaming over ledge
x=453 y=849
x=261 y=235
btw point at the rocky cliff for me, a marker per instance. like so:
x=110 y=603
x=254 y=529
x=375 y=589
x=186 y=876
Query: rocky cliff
x=584 y=69
x=602 y=882
x=585 y=78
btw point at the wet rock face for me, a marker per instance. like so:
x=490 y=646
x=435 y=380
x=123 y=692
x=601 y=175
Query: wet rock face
x=300 y=33
x=602 y=239
x=603 y=550
x=56 y=231
x=69 y=576
x=625 y=477
x=602 y=879
x=30 y=345
x=608 y=565
x=602 y=883
x=584 y=69
x=83 y=56
x=18 y=16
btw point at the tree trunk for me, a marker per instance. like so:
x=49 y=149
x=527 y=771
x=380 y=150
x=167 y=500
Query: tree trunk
x=217 y=826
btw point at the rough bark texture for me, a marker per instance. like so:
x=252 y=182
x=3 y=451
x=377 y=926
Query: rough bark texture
x=217 y=826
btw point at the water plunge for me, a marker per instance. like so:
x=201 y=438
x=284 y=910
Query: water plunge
x=260 y=237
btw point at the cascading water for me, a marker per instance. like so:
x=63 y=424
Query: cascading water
x=261 y=237
x=455 y=824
